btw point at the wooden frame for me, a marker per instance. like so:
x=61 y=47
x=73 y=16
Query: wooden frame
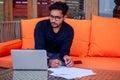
x=32 y=9
x=14 y=29
x=91 y=7
x=8 y=10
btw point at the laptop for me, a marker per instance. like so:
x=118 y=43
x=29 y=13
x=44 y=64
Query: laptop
x=29 y=59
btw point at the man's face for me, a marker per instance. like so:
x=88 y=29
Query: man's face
x=56 y=18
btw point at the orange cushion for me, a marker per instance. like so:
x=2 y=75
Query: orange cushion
x=105 y=39
x=28 y=32
x=104 y=63
x=5 y=47
x=6 y=62
x=81 y=36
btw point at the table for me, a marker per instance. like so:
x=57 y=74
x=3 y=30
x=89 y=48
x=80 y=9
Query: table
x=9 y=74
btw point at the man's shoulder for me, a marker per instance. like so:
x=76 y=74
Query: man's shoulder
x=67 y=25
x=42 y=24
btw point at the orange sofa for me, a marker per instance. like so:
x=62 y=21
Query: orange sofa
x=96 y=43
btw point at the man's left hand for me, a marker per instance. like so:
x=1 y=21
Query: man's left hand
x=68 y=61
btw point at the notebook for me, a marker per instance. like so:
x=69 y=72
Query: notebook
x=29 y=59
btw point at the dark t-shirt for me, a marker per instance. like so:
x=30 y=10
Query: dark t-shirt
x=54 y=43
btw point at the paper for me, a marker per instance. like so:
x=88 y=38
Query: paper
x=70 y=72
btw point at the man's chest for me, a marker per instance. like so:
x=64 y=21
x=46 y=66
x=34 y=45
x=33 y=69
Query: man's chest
x=55 y=37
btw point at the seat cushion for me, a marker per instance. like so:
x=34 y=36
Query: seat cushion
x=104 y=63
x=6 y=62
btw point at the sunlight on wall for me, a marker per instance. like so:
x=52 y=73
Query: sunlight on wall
x=1 y=10
x=106 y=8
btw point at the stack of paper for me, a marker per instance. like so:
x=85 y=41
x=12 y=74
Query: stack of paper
x=70 y=72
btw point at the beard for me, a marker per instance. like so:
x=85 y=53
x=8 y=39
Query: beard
x=54 y=25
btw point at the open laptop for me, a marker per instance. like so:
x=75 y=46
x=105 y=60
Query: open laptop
x=29 y=59
x=29 y=64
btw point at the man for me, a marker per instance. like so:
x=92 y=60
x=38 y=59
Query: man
x=55 y=36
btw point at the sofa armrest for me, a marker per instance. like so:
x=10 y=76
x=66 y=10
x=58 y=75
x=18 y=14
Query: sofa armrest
x=5 y=47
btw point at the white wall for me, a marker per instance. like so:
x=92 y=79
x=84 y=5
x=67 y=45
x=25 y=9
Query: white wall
x=106 y=7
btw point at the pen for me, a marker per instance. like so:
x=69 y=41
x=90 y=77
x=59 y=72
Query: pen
x=51 y=57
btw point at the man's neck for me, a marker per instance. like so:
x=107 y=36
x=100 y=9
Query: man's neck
x=56 y=30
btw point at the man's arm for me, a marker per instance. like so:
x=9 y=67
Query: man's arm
x=66 y=45
x=39 y=36
x=68 y=61
x=65 y=49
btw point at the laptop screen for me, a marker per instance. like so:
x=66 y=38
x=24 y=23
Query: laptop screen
x=29 y=59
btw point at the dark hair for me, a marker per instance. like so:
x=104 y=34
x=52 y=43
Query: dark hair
x=117 y=2
x=60 y=6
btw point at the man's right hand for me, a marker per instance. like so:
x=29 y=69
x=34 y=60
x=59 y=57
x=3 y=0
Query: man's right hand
x=54 y=63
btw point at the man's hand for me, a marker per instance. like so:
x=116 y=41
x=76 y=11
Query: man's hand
x=54 y=63
x=68 y=61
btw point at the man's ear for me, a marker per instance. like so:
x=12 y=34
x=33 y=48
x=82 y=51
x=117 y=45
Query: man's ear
x=65 y=16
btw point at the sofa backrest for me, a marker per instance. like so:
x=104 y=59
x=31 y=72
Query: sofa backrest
x=28 y=32
x=105 y=37
x=98 y=37
x=80 y=41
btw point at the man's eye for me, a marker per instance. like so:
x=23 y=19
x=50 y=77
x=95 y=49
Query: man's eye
x=57 y=17
x=52 y=16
